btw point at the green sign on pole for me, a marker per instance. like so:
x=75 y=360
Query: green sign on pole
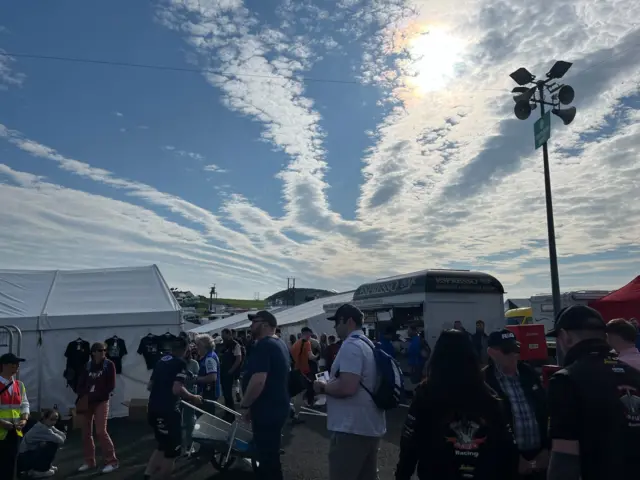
x=542 y=129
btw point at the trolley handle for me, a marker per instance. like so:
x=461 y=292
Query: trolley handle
x=223 y=407
x=198 y=409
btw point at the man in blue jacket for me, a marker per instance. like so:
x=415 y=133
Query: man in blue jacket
x=209 y=374
x=386 y=343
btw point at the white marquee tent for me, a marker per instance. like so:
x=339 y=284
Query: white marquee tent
x=53 y=308
x=310 y=314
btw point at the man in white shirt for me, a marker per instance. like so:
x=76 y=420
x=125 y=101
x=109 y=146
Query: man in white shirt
x=355 y=422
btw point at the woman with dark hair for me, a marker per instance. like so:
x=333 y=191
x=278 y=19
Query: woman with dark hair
x=95 y=386
x=456 y=428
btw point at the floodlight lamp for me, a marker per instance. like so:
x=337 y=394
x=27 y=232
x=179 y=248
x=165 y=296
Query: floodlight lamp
x=520 y=90
x=522 y=76
x=566 y=94
x=566 y=114
x=559 y=69
x=522 y=110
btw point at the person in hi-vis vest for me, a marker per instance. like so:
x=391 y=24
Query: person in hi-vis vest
x=14 y=413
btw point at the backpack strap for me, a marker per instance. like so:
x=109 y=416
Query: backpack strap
x=367 y=342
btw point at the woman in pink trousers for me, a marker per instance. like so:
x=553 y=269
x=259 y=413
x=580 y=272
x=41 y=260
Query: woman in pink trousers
x=95 y=386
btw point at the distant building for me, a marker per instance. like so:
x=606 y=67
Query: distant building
x=296 y=296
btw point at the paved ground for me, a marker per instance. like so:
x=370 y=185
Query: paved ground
x=305 y=458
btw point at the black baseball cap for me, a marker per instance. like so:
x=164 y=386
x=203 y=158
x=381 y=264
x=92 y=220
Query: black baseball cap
x=10 y=359
x=578 y=317
x=504 y=340
x=265 y=316
x=347 y=311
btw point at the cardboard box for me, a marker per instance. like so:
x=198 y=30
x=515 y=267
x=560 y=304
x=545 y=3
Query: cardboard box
x=76 y=420
x=533 y=342
x=138 y=409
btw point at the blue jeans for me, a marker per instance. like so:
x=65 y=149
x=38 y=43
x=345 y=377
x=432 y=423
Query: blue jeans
x=267 y=439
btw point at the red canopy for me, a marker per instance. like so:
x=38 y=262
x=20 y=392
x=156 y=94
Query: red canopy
x=623 y=303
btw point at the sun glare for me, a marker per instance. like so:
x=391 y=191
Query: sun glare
x=434 y=56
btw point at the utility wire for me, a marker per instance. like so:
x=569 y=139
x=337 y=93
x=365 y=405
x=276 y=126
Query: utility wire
x=170 y=68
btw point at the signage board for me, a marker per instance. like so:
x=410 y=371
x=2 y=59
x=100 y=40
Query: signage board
x=542 y=130
x=430 y=281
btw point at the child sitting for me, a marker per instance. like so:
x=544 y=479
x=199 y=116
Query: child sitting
x=40 y=445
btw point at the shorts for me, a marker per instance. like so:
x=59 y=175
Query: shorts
x=167 y=428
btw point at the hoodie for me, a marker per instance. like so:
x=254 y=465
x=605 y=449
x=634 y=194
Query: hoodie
x=41 y=433
x=97 y=381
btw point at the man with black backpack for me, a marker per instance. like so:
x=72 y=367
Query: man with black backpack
x=364 y=382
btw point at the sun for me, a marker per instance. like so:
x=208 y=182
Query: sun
x=434 y=55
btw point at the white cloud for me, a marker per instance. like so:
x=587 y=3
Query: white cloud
x=184 y=153
x=118 y=114
x=214 y=168
x=8 y=76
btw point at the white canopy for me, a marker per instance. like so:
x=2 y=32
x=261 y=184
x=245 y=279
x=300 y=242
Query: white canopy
x=311 y=313
x=53 y=308
x=233 y=321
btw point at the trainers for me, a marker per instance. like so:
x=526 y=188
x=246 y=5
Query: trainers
x=54 y=468
x=85 y=467
x=110 y=468
x=49 y=473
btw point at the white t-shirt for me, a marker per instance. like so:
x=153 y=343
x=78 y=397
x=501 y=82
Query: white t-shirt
x=357 y=414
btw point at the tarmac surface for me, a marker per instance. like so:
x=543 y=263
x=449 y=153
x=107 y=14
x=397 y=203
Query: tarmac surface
x=305 y=456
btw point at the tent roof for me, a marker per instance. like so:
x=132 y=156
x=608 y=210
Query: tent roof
x=286 y=316
x=629 y=293
x=227 y=322
x=307 y=310
x=56 y=293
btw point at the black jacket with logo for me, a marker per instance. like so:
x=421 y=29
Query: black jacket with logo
x=446 y=444
x=595 y=400
x=533 y=391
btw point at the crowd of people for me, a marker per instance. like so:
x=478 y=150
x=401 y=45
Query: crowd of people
x=478 y=413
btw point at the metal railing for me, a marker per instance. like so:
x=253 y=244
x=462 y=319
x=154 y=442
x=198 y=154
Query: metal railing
x=13 y=346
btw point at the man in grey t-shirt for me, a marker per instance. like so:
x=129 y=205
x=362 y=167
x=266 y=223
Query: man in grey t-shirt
x=355 y=422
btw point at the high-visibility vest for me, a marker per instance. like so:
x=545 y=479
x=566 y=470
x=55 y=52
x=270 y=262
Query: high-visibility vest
x=10 y=401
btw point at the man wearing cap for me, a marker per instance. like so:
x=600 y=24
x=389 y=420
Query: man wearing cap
x=355 y=422
x=266 y=394
x=594 y=404
x=518 y=385
x=14 y=413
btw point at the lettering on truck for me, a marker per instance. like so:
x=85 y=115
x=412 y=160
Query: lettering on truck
x=388 y=287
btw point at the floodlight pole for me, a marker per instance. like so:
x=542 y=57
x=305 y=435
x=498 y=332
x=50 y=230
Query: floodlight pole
x=551 y=230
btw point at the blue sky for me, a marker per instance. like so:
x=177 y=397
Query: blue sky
x=332 y=141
